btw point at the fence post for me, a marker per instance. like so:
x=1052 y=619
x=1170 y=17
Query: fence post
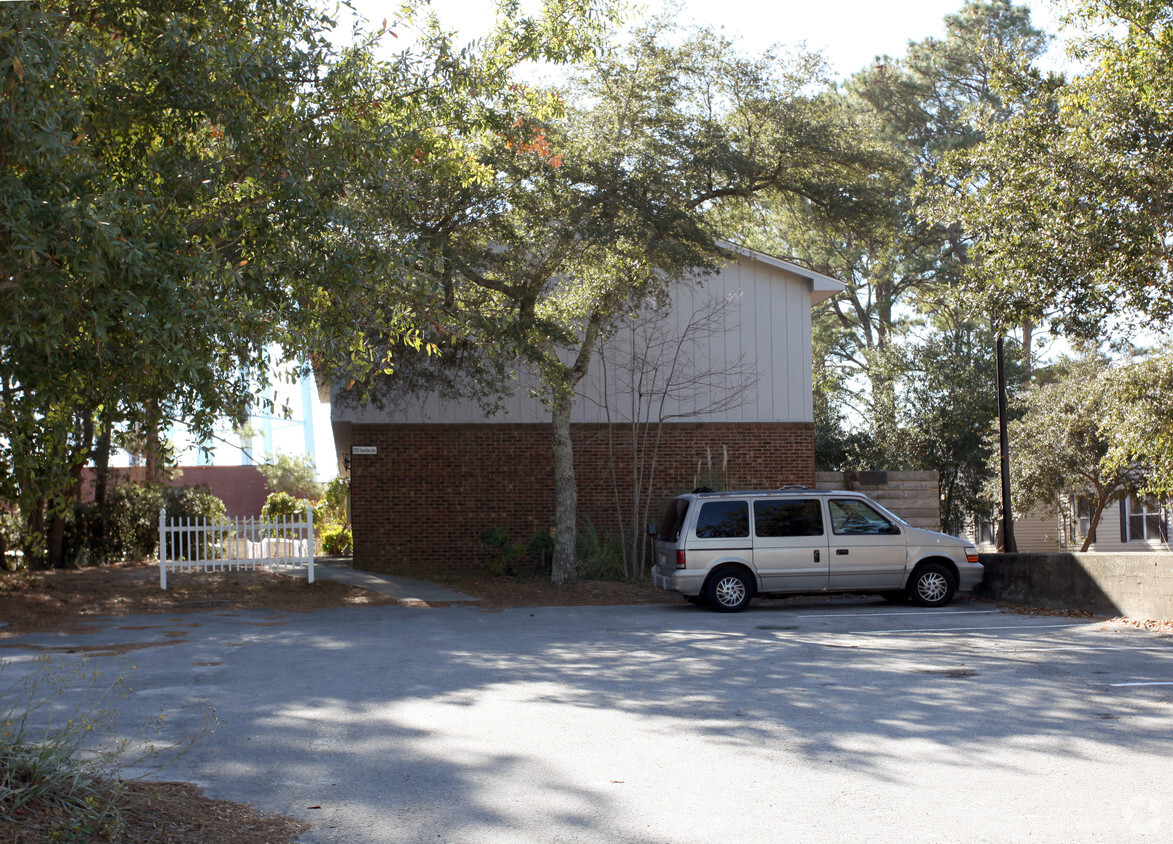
x=309 y=517
x=163 y=548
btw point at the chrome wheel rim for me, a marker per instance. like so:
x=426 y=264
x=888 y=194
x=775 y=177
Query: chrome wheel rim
x=730 y=591
x=932 y=586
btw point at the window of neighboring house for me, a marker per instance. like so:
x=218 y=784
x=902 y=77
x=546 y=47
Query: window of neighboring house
x=1082 y=510
x=984 y=530
x=1145 y=520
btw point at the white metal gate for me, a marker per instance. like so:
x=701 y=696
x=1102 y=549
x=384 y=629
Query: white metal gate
x=198 y=544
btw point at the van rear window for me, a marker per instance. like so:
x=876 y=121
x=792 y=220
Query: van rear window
x=673 y=518
x=723 y=520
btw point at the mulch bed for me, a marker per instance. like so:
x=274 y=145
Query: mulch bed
x=164 y=813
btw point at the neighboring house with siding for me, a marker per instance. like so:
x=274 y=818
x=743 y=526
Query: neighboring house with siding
x=428 y=475
x=1134 y=523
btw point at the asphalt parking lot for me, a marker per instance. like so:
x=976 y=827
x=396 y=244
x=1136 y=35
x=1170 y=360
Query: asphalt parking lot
x=813 y=720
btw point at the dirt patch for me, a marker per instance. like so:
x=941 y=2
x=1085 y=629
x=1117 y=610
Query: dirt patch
x=63 y=599
x=53 y=600
x=170 y=812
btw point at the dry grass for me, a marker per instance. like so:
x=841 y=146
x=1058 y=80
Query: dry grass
x=164 y=813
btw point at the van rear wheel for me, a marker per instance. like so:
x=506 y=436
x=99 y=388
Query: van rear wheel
x=729 y=591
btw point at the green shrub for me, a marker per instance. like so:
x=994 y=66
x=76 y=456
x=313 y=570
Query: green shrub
x=126 y=527
x=282 y=505
x=194 y=504
x=136 y=515
x=337 y=542
x=496 y=539
x=333 y=508
x=599 y=556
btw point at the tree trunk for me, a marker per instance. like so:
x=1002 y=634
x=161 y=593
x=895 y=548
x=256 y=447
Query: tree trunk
x=152 y=443
x=55 y=538
x=1101 y=503
x=33 y=543
x=55 y=541
x=561 y=381
x=102 y=464
x=563 y=571
x=1028 y=327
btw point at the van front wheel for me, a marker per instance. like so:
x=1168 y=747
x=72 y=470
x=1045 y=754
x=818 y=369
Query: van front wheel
x=729 y=591
x=932 y=585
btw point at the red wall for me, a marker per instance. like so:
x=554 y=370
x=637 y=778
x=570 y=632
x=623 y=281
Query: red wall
x=421 y=503
x=241 y=488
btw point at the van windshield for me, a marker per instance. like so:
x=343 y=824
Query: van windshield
x=673 y=518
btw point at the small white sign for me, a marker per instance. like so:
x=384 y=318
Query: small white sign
x=364 y=449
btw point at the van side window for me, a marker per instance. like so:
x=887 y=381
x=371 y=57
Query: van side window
x=803 y=517
x=723 y=520
x=853 y=518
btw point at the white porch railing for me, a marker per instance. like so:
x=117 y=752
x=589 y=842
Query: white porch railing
x=197 y=544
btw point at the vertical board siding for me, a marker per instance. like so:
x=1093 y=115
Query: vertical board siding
x=769 y=324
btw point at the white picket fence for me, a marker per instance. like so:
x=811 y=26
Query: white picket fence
x=198 y=544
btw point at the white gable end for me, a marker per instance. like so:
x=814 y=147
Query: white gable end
x=745 y=357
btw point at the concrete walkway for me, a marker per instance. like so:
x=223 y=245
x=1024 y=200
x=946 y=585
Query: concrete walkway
x=404 y=588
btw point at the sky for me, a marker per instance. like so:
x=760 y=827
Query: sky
x=849 y=32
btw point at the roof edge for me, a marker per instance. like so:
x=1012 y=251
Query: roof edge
x=823 y=287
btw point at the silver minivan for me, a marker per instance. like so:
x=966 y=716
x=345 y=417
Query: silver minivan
x=722 y=548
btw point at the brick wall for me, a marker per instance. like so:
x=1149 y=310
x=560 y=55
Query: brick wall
x=421 y=503
x=242 y=488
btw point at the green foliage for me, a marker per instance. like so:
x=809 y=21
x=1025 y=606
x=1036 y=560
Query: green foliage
x=614 y=195
x=898 y=263
x=1061 y=442
x=600 y=556
x=194 y=505
x=948 y=413
x=126 y=527
x=334 y=508
x=1068 y=197
x=186 y=185
x=282 y=505
x=337 y=541
x=504 y=552
x=1140 y=418
x=193 y=502
x=292 y=475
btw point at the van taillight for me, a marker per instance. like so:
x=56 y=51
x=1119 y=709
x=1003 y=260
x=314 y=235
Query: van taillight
x=680 y=561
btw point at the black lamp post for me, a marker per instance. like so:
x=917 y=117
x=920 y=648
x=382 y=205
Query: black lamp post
x=1009 y=546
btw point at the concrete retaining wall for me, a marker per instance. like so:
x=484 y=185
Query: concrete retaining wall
x=1131 y=584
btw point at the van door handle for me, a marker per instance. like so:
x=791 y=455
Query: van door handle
x=842 y=552
x=816 y=555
